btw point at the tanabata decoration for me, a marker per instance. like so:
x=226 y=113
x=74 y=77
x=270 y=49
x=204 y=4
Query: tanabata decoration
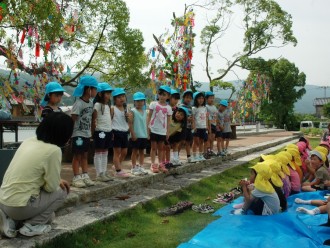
x=172 y=56
x=254 y=91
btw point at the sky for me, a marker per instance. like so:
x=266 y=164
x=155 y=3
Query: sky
x=311 y=19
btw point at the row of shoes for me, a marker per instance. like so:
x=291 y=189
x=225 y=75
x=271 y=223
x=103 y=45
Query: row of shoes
x=138 y=171
x=203 y=208
x=225 y=198
x=176 y=209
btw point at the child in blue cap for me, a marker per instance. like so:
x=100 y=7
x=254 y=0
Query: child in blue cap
x=158 y=123
x=53 y=96
x=81 y=114
x=224 y=121
x=102 y=131
x=139 y=133
x=120 y=129
x=213 y=114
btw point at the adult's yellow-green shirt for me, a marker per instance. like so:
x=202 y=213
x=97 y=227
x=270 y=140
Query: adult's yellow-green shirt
x=35 y=166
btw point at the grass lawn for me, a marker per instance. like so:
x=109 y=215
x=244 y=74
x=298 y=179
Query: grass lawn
x=142 y=227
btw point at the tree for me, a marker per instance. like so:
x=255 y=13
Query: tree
x=85 y=36
x=287 y=86
x=265 y=25
x=326 y=110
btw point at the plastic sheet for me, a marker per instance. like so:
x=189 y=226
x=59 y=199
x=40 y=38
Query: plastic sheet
x=288 y=229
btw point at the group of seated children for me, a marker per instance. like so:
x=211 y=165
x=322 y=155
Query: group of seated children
x=297 y=168
x=193 y=123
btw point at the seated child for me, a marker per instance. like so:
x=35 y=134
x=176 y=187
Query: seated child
x=263 y=200
x=321 y=172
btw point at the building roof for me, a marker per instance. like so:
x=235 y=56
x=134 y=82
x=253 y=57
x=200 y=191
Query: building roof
x=321 y=101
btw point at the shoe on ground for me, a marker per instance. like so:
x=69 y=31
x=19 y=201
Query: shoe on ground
x=206 y=156
x=154 y=168
x=87 y=180
x=169 y=165
x=135 y=171
x=7 y=226
x=34 y=230
x=142 y=170
x=121 y=173
x=202 y=158
x=176 y=162
x=212 y=153
x=189 y=159
x=78 y=182
x=162 y=168
x=103 y=178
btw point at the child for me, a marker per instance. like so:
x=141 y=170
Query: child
x=224 y=117
x=53 y=96
x=187 y=138
x=139 y=134
x=174 y=99
x=102 y=131
x=200 y=125
x=294 y=177
x=81 y=114
x=158 y=127
x=32 y=188
x=263 y=200
x=284 y=160
x=177 y=127
x=213 y=113
x=120 y=129
x=321 y=172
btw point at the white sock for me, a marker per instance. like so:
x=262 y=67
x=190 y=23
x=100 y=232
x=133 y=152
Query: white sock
x=301 y=201
x=98 y=163
x=307 y=211
x=176 y=155
x=172 y=156
x=104 y=161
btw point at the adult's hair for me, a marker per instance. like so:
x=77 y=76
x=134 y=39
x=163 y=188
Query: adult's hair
x=55 y=129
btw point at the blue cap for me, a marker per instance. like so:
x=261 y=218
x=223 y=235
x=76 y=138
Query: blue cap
x=173 y=91
x=139 y=96
x=51 y=87
x=196 y=94
x=104 y=87
x=88 y=81
x=189 y=91
x=185 y=110
x=224 y=103
x=165 y=88
x=209 y=93
x=118 y=91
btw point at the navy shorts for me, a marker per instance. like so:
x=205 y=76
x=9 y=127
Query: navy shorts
x=214 y=129
x=218 y=134
x=103 y=140
x=226 y=135
x=176 y=138
x=80 y=144
x=157 y=137
x=201 y=133
x=120 y=139
x=139 y=143
x=188 y=136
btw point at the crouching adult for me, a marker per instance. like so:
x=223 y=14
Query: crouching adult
x=32 y=189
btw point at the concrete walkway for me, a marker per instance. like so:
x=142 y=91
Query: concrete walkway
x=87 y=206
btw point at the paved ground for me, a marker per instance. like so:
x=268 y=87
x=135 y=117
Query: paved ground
x=87 y=206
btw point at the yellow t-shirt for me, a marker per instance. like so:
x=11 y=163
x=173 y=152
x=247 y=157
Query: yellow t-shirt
x=175 y=127
x=35 y=165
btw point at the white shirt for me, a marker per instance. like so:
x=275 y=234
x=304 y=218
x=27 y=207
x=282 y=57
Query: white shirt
x=200 y=117
x=158 y=121
x=213 y=114
x=103 y=120
x=119 y=122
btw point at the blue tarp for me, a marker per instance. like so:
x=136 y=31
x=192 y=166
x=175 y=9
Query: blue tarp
x=288 y=229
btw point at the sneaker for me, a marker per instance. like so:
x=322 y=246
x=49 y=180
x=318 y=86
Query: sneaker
x=169 y=165
x=106 y=174
x=135 y=171
x=30 y=230
x=7 y=226
x=78 y=182
x=201 y=158
x=176 y=162
x=103 y=177
x=121 y=173
x=162 y=168
x=87 y=180
x=212 y=153
x=189 y=159
x=142 y=170
x=206 y=155
x=154 y=168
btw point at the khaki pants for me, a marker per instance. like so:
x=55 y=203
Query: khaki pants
x=39 y=209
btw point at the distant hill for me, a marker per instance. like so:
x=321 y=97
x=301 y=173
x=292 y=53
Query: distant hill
x=304 y=105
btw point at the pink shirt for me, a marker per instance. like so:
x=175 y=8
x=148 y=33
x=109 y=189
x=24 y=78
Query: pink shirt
x=295 y=180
